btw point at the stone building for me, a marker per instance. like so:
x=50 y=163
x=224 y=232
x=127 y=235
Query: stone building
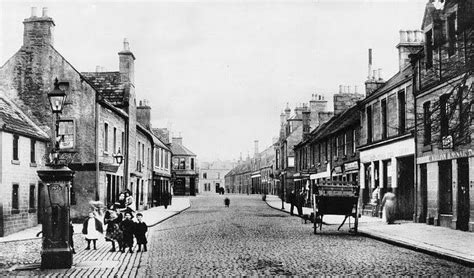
x=328 y=152
x=22 y=149
x=444 y=98
x=212 y=176
x=184 y=169
x=161 y=168
x=291 y=133
x=387 y=146
x=99 y=119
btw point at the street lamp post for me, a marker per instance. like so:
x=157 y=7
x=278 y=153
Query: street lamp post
x=56 y=251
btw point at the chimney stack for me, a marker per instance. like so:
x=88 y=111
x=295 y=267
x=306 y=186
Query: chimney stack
x=127 y=63
x=306 y=123
x=411 y=41
x=256 y=148
x=143 y=114
x=38 y=31
x=373 y=82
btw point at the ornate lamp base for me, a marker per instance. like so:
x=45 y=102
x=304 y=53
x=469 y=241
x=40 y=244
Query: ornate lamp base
x=56 y=258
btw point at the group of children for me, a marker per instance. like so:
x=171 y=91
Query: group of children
x=120 y=228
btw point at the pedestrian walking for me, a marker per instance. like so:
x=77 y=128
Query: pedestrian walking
x=92 y=229
x=140 y=232
x=227 y=202
x=128 y=228
x=113 y=233
x=389 y=206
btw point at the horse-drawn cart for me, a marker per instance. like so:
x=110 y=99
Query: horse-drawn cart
x=337 y=198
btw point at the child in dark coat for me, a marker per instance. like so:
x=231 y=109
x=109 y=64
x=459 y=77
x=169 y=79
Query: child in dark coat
x=128 y=228
x=140 y=232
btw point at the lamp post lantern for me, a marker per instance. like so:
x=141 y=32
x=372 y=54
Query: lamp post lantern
x=56 y=251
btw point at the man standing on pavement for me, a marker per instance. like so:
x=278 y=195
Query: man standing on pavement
x=291 y=199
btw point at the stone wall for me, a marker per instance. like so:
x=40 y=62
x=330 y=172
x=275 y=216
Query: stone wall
x=23 y=173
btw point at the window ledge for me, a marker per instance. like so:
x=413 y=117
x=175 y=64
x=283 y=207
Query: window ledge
x=16 y=162
x=33 y=164
x=15 y=211
x=106 y=153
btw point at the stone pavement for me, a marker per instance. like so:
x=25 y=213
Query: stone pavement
x=439 y=241
x=95 y=263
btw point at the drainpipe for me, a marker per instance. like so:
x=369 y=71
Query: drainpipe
x=97 y=131
x=414 y=60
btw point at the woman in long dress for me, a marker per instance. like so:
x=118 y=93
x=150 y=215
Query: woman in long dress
x=388 y=205
x=113 y=233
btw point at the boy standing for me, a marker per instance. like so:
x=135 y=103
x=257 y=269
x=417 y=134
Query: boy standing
x=128 y=228
x=140 y=232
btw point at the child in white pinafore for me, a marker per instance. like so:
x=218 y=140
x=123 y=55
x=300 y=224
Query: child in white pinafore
x=92 y=229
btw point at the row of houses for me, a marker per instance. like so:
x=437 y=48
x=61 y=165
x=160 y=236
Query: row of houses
x=410 y=135
x=101 y=119
x=253 y=175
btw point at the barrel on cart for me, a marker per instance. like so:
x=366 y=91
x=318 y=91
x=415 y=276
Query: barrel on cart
x=337 y=198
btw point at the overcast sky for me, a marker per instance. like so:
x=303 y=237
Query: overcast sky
x=220 y=72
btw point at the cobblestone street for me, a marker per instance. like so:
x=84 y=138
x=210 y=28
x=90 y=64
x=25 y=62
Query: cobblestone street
x=250 y=238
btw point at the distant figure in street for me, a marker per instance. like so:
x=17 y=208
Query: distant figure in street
x=129 y=201
x=113 y=233
x=291 y=199
x=92 y=229
x=166 y=197
x=388 y=205
x=140 y=232
x=128 y=228
x=300 y=199
x=227 y=202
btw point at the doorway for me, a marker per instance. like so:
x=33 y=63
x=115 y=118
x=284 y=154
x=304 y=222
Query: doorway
x=405 y=189
x=192 y=186
x=423 y=193
x=463 y=195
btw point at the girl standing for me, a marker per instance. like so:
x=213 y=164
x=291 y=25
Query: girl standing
x=92 y=229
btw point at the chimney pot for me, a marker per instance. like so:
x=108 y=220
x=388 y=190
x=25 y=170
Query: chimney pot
x=373 y=74
x=340 y=89
x=355 y=89
x=33 y=11
x=380 y=74
x=410 y=36
x=97 y=68
x=45 y=12
x=126 y=45
x=403 y=36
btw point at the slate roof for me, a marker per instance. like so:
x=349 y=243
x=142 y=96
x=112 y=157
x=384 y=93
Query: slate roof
x=178 y=149
x=13 y=120
x=109 y=85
